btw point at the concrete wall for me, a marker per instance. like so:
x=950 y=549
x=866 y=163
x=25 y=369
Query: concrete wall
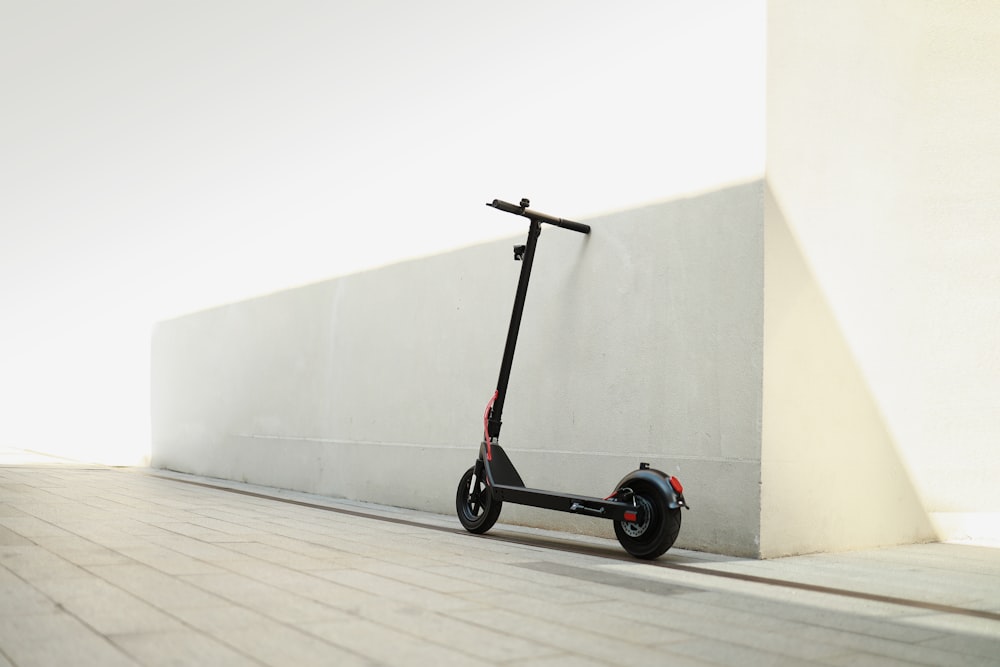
x=641 y=342
x=882 y=377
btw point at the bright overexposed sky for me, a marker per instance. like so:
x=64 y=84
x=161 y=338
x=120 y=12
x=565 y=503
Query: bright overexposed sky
x=163 y=157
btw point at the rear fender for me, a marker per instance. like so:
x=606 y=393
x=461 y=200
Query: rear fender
x=658 y=480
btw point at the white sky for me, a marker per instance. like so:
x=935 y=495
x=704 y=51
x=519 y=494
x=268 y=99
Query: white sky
x=163 y=157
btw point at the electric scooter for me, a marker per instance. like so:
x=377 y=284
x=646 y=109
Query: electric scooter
x=645 y=505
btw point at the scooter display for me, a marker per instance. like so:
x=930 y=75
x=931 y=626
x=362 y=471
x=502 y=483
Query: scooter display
x=645 y=505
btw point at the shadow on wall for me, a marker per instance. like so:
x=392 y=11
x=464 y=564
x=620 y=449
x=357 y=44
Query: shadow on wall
x=832 y=475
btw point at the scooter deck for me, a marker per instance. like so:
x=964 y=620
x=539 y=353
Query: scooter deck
x=550 y=500
x=508 y=487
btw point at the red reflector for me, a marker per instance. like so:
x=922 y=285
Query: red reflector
x=676 y=483
x=631 y=516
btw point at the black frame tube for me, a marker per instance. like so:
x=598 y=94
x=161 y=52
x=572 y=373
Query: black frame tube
x=534 y=230
x=528 y=257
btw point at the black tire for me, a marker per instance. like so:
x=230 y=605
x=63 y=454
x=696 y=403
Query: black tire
x=658 y=531
x=477 y=510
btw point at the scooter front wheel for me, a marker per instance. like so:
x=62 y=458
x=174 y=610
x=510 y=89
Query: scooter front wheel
x=477 y=510
x=656 y=532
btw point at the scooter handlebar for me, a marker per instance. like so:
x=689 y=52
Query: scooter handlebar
x=540 y=217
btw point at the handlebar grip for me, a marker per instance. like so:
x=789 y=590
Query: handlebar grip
x=540 y=217
x=508 y=207
x=569 y=224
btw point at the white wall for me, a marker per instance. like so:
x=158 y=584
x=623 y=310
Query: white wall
x=640 y=342
x=882 y=376
x=161 y=158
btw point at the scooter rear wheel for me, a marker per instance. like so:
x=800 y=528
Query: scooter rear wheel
x=651 y=537
x=477 y=510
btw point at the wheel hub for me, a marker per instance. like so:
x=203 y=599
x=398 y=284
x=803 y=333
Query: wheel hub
x=636 y=528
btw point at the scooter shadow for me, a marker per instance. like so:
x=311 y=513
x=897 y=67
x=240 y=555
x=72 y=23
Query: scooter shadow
x=598 y=547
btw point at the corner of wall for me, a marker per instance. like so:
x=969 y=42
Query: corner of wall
x=831 y=474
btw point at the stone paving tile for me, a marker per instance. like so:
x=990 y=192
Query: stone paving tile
x=429 y=561
x=182 y=647
x=10 y=538
x=770 y=616
x=475 y=552
x=637 y=624
x=233 y=523
x=212 y=620
x=18 y=597
x=102 y=503
x=916 y=653
x=33 y=563
x=722 y=652
x=148 y=500
x=984 y=647
x=953 y=625
x=959 y=588
x=396 y=591
x=418 y=577
x=527 y=594
x=766 y=595
x=7 y=510
x=453 y=630
x=566 y=660
x=282 y=646
x=796 y=645
x=279 y=556
x=674 y=616
x=867 y=660
x=309 y=585
x=231 y=527
x=894 y=628
x=271 y=601
x=167 y=560
x=553 y=634
x=940 y=556
x=225 y=511
x=44 y=640
x=195 y=548
x=384 y=645
x=30 y=526
x=154 y=587
x=104 y=607
x=329 y=546
x=79 y=551
x=199 y=532
x=27 y=507
x=115 y=534
x=350 y=548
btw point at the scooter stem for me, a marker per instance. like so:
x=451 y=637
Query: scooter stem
x=528 y=256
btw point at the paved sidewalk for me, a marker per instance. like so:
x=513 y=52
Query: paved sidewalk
x=105 y=566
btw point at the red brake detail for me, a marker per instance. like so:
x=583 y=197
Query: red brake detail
x=486 y=426
x=676 y=484
x=631 y=516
